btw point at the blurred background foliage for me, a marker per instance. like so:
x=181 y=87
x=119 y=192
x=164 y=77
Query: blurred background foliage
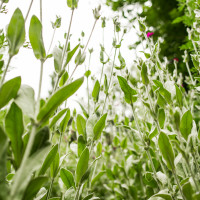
x=168 y=20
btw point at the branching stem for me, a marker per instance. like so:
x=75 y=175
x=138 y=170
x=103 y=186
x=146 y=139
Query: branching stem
x=5 y=71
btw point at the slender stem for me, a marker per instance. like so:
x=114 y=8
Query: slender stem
x=40 y=86
x=5 y=71
x=154 y=170
x=88 y=97
x=88 y=87
x=84 y=49
x=142 y=185
x=64 y=49
x=41 y=11
x=50 y=189
x=191 y=172
x=110 y=80
x=67 y=39
x=95 y=167
x=178 y=183
x=17 y=180
x=101 y=74
x=176 y=69
x=28 y=10
x=77 y=192
x=188 y=69
x=54 y=31
x=148 y=153
x=103 y=63
x=90 y=35
x=60 y=140
x=137 y=124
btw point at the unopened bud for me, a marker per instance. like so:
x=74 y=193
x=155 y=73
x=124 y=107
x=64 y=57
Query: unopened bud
x=96 y=12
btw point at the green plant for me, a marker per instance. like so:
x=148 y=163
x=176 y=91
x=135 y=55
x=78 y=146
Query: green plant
x=136 y=136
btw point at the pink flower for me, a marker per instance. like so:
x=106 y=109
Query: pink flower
x=176 y=59
x=149 y=34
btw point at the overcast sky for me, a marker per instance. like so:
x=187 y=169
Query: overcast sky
x=25 y=64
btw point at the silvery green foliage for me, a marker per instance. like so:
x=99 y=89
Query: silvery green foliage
x=135 y=136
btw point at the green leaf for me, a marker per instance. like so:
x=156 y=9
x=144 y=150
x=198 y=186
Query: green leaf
x=87 y=173
x=16 y=32
x=95 y=92
x=128 y=91
x=142 y=26
x=63 y=79
x=36 y=39
x=82 y=165
x=9 y=90
x=57 y=117
x=122 y=62
x=161 y=117
x=81 y=145
x=26 y=101
x=1 y=64
x=41 y=194
x=91 y=121
x=89 y=196
x=166 y=150
x=71 y=54
x=80 y=58
x=83 y=109
x=177 y=120
x=158 y=84
x=3 y=165
x=153 y=134
x=105 y=85
x=144 y=74
x=72 y=4
x=99 y=126
x=33 y=163
x=188 y=191
x=99 y=149
x=41 y=139
x=70 y=194
x=34 y=187
x=57 y=54
x=179 y=96
x=166 y=95
x=57 y=99
x=15 y=128
x=67 y=178
x=3 y=142
x=161 y=101
x=64 y=122
x=48 y=160
x=54 y=167
x=195 y=61
x=123 y=143
x=186 y=124
x=81 y=125
x=87 y=73
x=163 y=195
x=97 y=177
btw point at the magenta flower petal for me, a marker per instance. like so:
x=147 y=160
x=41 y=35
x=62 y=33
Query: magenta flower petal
x=176 y=59
x=149 y=34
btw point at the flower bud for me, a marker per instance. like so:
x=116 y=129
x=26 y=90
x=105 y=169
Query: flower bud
x=96 y=12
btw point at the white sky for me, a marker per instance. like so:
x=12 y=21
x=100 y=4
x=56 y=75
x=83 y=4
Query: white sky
x=26 y=65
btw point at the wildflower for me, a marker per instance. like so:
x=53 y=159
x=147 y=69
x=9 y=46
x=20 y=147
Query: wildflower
x=149 y=34
x=176 y=59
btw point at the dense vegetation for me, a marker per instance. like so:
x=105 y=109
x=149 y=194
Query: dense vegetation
x=169 y=20
x=137 y=136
